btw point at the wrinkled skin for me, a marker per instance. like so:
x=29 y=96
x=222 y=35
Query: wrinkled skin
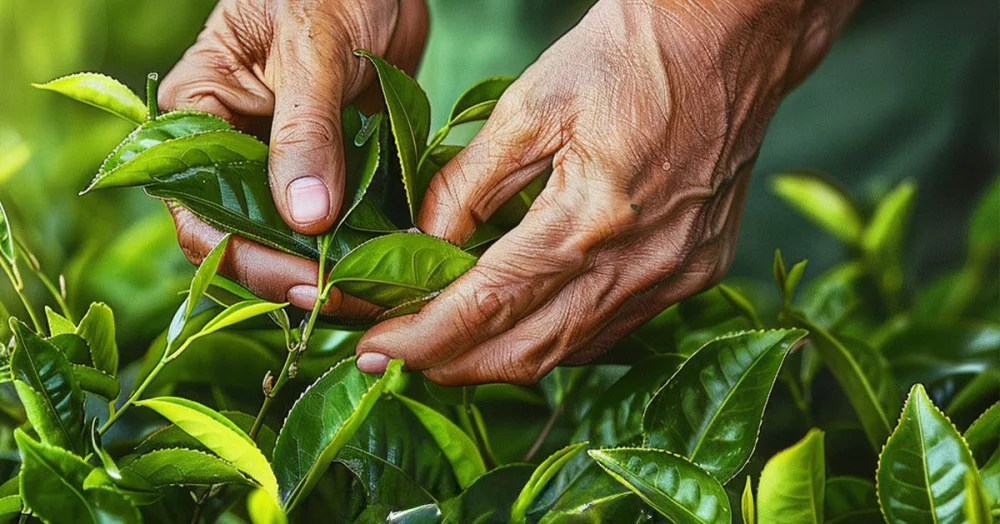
x=650 y=114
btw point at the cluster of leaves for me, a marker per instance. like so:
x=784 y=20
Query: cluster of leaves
x=669 y=425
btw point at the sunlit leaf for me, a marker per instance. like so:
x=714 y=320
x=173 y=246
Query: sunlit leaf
x=102 y=92
x=540 y=477
x=185 y=467
x=747 y=504
x=461 y=451
x=97 y=328
x=983 y=438
x=823 y=202
x=263 y=509
x=793 y=484
x=205 y=274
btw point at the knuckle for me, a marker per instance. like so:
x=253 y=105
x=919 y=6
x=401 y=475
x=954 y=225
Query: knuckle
x=310 y=130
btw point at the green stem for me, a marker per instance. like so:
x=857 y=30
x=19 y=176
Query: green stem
x=51 y=287
x=18 y=284
x=152 y=85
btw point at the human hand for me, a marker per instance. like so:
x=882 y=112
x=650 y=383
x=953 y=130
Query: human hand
x=283 y=69
x=651 y=114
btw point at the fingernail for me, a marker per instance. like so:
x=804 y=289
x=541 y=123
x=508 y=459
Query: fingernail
x=308 y=200
x=372 y=362
x=302 y=296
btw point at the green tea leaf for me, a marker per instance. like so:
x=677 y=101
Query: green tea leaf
x=185 y=467
x=793 y=484
x=237 y=313
x=983 y=438
x=172 y=436
x=102 y=92
x=922 y=468
x=362 y=163
x=410 y=116
x=977 y=506
x=930 y=351
x=488 y=499
x=675 y=487
x=52 y=481
x=984 y=238
x=475 y=104
x=823 y=202
x=865 y=386
x=97 y=382
x=320 y=423
x=540 y=477
x=58 y=324
x=219 y=434
x=620 y=507
x=460 y=450
x=741 y=304
x=159 y=130
x=747 y=505
x=400 y=267
x=710 y=410
x=97 y=328
x=48 y=390
x=263 y=509
x=10 y=506
x=6 y=238
x=205 y=273
x=851 y=500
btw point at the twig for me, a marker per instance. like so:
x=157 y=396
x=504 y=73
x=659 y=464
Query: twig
x=543 y=433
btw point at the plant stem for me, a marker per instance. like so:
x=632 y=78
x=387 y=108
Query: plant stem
x=152 y=84
x=549 y=424
x=53 y=290
x=18 y=284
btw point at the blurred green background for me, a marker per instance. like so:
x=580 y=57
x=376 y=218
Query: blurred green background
x=910 y=91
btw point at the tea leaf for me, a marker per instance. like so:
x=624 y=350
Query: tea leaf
x=930 y=351
x=476 y=103
x=823 y=202
x=884 y=233
x=48 y=390
x=851 y=500
x=180 y=155
x=102 y=92
x=922 y=468
x=675 y=487
x=185 y=467
x=204 y=275
x=97 y=382
x=237 y=313
x=710 y=410
x=977 y=505
x=362 y=163
x=58 y=324
x=865 y=387
x=400 y=267
x=10 y=506
x=983 y=437
x=410 y=116
x=460 y=450
x=159 y=130
x=488 y=499
x=793 y=484
x=620 y=507
x=320 y=423
x=172 y=436
x=747 y=504
x=263 y=509
x=6 y=238
x=540 y=477
x=52 y=487
x=984 y=238
x=219 y=434
x=97 y=329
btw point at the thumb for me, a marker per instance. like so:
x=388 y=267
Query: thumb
x=306 y=148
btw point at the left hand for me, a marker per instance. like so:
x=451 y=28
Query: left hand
x=651 y=114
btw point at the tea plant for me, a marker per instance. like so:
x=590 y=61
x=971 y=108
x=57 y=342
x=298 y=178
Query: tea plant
x=669 y=425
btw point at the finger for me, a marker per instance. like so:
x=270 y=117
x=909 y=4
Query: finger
x=306 y=148
x=253 y=266
x=514 y=277
x=508 y=152
x=405 y=48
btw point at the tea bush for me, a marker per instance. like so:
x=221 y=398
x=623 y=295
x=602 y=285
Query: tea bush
x=833 y=404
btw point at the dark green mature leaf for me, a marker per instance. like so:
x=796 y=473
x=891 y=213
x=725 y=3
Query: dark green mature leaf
x=205 y=274
x=931 y=351
x=619 y=507
x=400 y=267
x=219 y=434
x=102 y=92
x=793 y=484
x=97 y=382
x=52 y=486
x=410 y=116
x=386 y=484
x=710 y=410
x=674 y=486
x=97 y=328
x=861 y=384
x=48 y=390
x=183 y=154
x=322 y=422
x=540 y=477
x=6 y=238
x=983 y=438
x=226 y=360
x=185 y=467
x=823 y=202
x=851 y=500
x=460 y=450
x=489 y=499
x=922 y=468
x=363 y=161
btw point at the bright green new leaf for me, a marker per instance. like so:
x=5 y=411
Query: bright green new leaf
x=793 y=483
x=540 y=477
x=52 y=399
x=58 y=324
x=476 y=103
x=922 y=468
x=52 y=487
x=400 y=267
x=977 y=505
x=10 y=506
x=263 y=509
x=410 y=116
x=851 y=500
x=984 y=235
x=747 y=504
x=185 y=467
x=822 y=201
x=741 y=304
x=460 y=450
x=204 y=275
x=711 y=409
x=6 y=238
x=320 y=423
x=97 y=328
x=218 y=434
x=674 y=486
x=102 y=92
x=239 y=312
x=983 y=438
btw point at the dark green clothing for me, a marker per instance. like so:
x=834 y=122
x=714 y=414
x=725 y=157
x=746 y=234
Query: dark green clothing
x=910 y=90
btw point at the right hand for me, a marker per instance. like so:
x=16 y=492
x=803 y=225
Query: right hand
x=288 y=66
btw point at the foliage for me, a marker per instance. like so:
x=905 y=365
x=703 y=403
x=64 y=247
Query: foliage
x=798 y=392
